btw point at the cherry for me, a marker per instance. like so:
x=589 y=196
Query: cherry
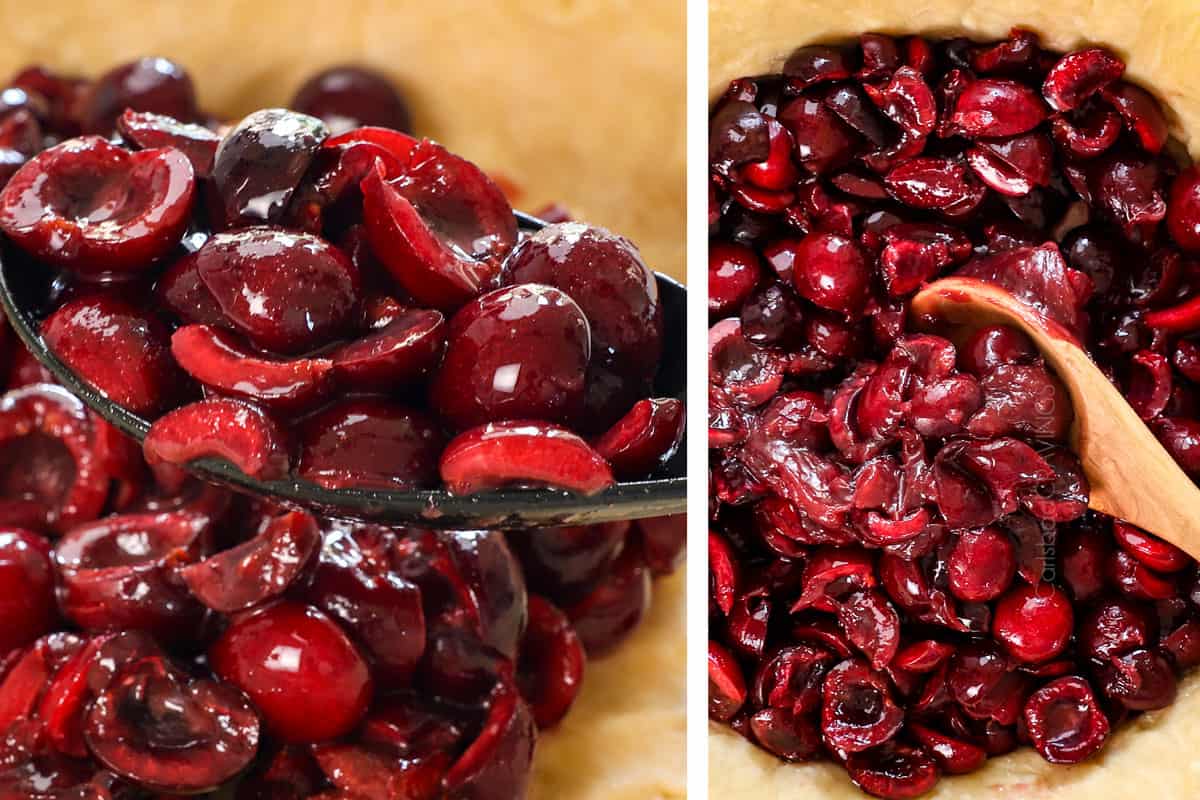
x=1183 y=210
x=230 y=429
x=403 y=348
x=858 y=712
x=981 y=679
x=1148 y=549
x=936 y=184
x=168 y=732
x=823 y=142
x=48 y=458
x=894 y=771
x=1114 y=627
x=353 y=581
x=517 y=352
x=118 y=349
x=614 y=608
x=1142 y=114
x=982 y=565
x=663 y=542
x=954 y=756
x=1078 y=75
x=148 y=84
x=182 y=292
x=733 y=272
x=258 y=569
x=259 y=164
x=1064 y=721
x=995 y=107
x=369 y=443
x=566 y=564
x=442 y=228
x=551 y=665
x=118 y=573
x=605 y=275
x=147 y=131
x=222 y=362
x=1033 y=622
x=726 y=684
x=282 y=657
x=97 y=209
x=350 y=96
x=829 y=270
x=1140 y=679
x=496 y=765
x=287 y=292
x=27 y=610
x=644 y=438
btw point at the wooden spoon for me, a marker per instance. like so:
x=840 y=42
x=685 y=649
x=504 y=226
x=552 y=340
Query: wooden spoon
x=1131 y=474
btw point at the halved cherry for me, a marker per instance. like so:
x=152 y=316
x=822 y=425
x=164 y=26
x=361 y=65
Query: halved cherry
x=496 y=765
x=288 y=292
x=47 y=456
x=442 y=228
x=381 y=607
x=611 y=612
x=285 y=656
x=565 y=564
x=1080 y=74
x=358 y=770
x=400 y=352
x=97 y=209
x=399 y=144
x=858 y=711
x=220 y=360
x=236 y=431
x=1150 y=550
x=726 y=683
x=27 y=607
x=329 y=192
x=168 y=732
x=550 y=670
x=664 y=541
x=118 y=573
x=258 y=569
x=644 y=438
x=148 y=131
x=183 y=293
x=522 y=453
x=120 y=350
x=1142 y=113
x=259 y=164
x=370 y=443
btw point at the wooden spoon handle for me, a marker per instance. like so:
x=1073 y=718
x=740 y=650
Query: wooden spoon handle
x=1132 y=475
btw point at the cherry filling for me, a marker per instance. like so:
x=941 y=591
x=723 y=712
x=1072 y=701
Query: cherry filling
x=905 y=576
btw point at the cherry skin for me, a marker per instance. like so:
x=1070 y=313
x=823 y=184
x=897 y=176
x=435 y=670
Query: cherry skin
x=350 y=96
x=27 y=607
x=514 y=353
x=303 y=674
x=1034 y=622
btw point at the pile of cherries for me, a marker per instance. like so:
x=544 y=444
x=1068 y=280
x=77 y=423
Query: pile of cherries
x=160 y=637
x=905 y=577
x=355 y=308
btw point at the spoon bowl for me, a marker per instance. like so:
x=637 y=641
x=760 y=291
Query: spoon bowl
x=1131 y=474
x=662 y=494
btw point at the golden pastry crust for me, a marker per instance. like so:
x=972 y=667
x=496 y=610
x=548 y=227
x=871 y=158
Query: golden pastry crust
x=1159 y=39
x=576 y=102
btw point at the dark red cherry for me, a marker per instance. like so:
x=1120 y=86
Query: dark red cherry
x=258 y=165
x=284 y=658
x=166 y=731
x=551 y=668
x=148 y=84
x=370 y=443
x=442 y=228
x=27 y=609
x=287 y=292
x=1065 y=722
x=644 y=438
x=236 y=431
x=120 y=350
x=99 y=210
x=403 y=350
x=514 y=353
x=118 y=573
x=350 y=96
x=605 y=275
x=147 y=130
x=258 y=569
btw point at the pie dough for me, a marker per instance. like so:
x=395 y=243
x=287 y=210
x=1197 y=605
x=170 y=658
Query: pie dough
x=576 y=102
x=1155 y=756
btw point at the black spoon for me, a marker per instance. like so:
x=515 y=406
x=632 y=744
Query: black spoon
x=664 y=493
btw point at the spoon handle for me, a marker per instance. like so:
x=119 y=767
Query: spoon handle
x=1132 y=476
